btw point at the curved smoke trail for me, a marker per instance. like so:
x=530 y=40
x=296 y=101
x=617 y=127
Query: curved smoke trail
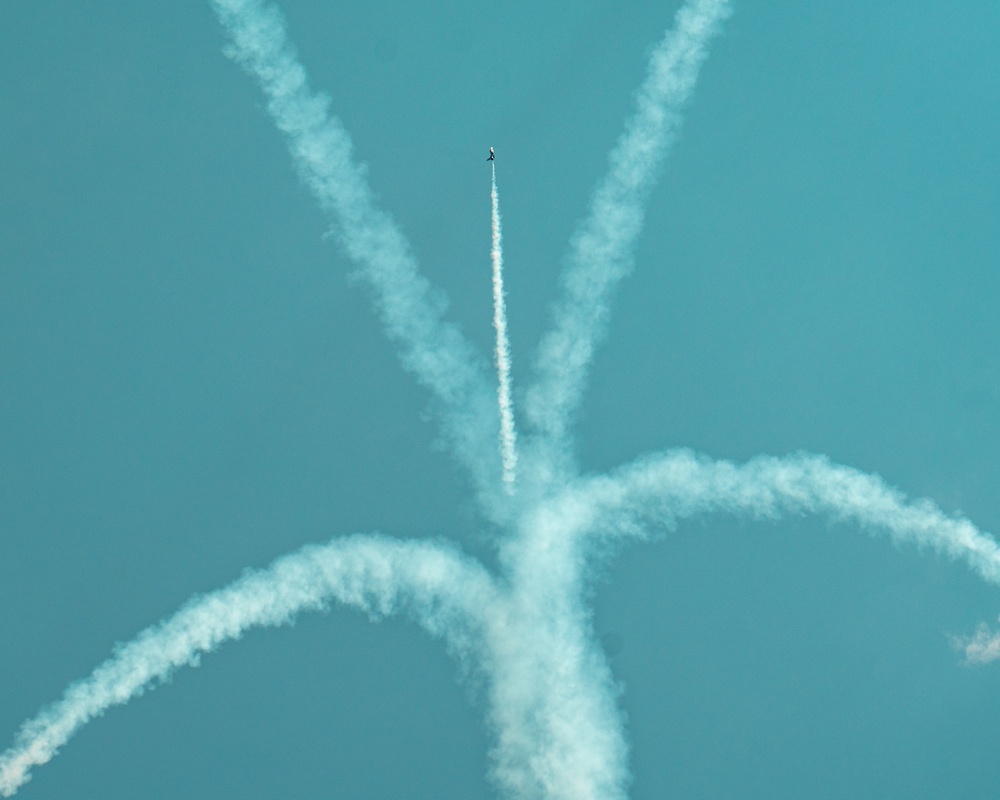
x=981 y=648
x=444 y=591
x=678 y=484
x=603 y=246
x=508 y=435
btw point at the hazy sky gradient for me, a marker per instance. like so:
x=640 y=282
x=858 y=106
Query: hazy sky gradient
x=191 y=386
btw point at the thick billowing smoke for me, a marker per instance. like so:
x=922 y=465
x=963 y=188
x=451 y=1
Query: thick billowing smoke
x=525 y=631
x=508 y=435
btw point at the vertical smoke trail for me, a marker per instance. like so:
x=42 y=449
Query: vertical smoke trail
x=508 y=436
x=411 y=311
x=444 y=591
x=602 y=248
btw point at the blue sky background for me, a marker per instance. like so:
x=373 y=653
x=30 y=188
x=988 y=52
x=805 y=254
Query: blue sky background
x=190 y=384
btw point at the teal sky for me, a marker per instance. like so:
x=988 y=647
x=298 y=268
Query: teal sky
x=191 y=384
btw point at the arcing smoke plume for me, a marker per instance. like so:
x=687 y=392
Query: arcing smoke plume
x=508 y=435
x=527 y=631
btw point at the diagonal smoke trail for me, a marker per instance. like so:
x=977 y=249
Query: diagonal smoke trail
x=602 y=248
x=508 y=435
x=440 y=588
x=981 y=648
x=678 y=484
x=433 y=349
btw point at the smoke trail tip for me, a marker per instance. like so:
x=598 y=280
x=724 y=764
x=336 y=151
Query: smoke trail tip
x=981 y=648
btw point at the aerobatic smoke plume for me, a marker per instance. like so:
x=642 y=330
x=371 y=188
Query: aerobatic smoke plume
x=526 y=629
x=434 y=584
x=508 y=435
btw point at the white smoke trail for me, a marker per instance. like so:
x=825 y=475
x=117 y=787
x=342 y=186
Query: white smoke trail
x=441 y=589
x=412 y=312
x=602 y=248
x=508 y=435
x=551 y=694
x=680 y=484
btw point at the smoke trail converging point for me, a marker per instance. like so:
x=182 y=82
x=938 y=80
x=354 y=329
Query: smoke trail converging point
x=508 y=435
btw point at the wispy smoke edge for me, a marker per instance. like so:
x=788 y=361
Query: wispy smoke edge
x=679 y=483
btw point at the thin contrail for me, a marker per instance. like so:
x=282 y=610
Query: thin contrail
x=602 y=248
x=323 y=154
x=508 y=435
x=438 y=587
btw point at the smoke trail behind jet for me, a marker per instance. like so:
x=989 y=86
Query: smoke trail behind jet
x=602 y=248
x=434 y=350
x=508 y=435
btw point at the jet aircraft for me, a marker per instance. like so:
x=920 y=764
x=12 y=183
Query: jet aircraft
x=491 y=155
